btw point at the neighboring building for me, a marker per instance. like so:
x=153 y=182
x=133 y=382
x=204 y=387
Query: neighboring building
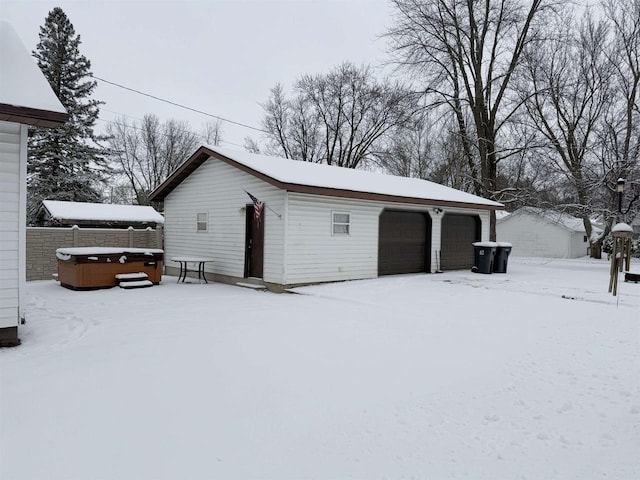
x=319 y=223
x=544 y=233
x=55 y=213
x=25 y=99
x=635 y=225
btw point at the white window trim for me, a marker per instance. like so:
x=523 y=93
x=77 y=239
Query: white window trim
x=334 y=223
x=206 y=222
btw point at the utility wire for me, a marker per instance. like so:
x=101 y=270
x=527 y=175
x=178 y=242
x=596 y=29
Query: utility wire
x=179 y=105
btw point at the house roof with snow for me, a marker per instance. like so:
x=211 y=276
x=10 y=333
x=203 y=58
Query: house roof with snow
x=59 y=213
x=25 y=95
x=320 y=179
x=569 y=222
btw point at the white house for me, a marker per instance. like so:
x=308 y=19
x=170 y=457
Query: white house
x=25 y=99
x=58 y=213
x=534 y=232
x=319 y=223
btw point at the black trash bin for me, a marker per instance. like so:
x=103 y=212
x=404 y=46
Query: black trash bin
x=503 y=249
x=484 y=253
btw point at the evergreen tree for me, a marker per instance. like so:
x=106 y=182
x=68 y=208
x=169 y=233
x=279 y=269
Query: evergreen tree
x=66 y=163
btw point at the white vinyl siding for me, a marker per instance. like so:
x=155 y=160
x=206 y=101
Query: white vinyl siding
x=10 y=221
x=578 y=247
x=314 y=254
x=219 y=189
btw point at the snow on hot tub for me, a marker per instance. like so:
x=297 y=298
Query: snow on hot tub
x=86 y=268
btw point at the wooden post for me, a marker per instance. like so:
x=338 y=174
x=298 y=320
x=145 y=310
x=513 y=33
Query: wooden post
x=613 y=268
x=76 y=235
x=621 y=255
x=627 y=265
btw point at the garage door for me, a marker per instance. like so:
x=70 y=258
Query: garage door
x=404 y=242
x=458 y=234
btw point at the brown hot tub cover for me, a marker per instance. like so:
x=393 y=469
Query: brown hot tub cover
x=86 y=268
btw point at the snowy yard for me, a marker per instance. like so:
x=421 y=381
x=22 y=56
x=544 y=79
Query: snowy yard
x=534 y=374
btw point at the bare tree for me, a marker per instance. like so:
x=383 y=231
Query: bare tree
x=466 y=53
x=212 y=132
x=147 y=153
x=570 y=75
x=293 y=126
x=410 y=152
x=251 y=145
x=429 y=147
x=620 y=132
x=337 y=118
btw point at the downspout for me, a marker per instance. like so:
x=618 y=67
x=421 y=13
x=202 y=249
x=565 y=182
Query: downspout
x=22 y=225
x=285 y=246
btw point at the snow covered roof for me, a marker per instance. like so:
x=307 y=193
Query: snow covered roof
x=101 y=212
x=305 y=177
x=562 y=219
x=25 y=95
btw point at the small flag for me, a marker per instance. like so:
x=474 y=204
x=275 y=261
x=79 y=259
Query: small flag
x=258 y=207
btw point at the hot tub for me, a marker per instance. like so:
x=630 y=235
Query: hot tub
x=88 y=268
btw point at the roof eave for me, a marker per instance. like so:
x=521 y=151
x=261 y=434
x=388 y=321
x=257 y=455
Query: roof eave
x=32 y=116
x=381 y=197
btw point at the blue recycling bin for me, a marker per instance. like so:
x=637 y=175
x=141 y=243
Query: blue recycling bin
x=484 y=254
x=503 y=249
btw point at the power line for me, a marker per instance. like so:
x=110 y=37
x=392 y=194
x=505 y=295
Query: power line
x=179 y=105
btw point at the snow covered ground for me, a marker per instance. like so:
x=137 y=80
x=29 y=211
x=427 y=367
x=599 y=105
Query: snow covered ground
x=534 y=374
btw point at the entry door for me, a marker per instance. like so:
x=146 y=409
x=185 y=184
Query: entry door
x=254 y=253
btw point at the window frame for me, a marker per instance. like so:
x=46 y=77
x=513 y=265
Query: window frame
x=335 y=223
x=205 y=222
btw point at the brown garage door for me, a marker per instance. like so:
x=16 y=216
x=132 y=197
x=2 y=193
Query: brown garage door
x=404 y=242
x=458 y=234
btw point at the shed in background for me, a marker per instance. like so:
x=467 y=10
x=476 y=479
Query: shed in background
x=57 y=213
x=535 y=232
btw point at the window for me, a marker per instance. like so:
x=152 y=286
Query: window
x=202 y=222
x=341 y=224
x=585 y=238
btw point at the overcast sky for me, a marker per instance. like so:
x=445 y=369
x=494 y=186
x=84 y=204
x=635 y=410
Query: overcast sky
x=219 y=56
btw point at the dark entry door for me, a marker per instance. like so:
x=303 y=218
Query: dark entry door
x=254 y=253
x=458 y=234
x=404 y=242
